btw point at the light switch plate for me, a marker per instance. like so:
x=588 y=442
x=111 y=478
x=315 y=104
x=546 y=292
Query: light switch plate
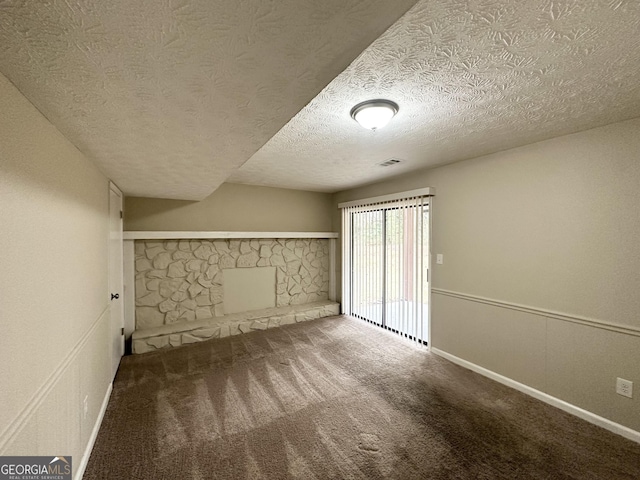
x=439 y=258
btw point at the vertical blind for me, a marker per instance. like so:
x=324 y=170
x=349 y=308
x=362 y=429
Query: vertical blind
x=385 y=260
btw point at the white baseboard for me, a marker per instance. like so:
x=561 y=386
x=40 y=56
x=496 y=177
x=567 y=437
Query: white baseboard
x=94 y=434
x=546 y=398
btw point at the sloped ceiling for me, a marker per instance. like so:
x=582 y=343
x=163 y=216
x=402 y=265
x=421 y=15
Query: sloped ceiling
x=169 y=97
x=471 y=77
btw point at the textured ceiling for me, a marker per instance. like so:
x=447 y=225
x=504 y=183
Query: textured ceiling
x=471 y=77
x=169 y=97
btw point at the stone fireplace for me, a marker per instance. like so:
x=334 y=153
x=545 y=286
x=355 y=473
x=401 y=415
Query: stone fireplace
x=185 y=280
x=182 y=284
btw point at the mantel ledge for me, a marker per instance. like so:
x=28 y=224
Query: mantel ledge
x=168 y=235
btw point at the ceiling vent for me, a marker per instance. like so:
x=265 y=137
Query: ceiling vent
x=391 y=161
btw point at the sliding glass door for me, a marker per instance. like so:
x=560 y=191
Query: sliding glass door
x=368 y=265
x=386 y=260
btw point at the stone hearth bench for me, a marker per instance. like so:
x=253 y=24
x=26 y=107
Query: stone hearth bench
x=176 y=334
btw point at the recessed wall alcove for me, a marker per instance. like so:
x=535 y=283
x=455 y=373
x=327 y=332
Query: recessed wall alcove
x=182 y=287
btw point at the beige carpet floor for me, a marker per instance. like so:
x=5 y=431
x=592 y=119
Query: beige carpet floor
x=336 y=398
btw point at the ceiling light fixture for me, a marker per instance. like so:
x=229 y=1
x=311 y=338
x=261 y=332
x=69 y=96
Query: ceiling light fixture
x=374 y=114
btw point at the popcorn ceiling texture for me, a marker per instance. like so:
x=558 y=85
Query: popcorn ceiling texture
x=471 y=77
x=182 y=281
x=168 y=97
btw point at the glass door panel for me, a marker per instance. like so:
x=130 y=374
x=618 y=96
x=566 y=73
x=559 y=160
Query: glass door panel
x=368 y=265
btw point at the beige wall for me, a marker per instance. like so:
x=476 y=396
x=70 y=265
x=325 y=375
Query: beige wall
x=554 y=226
x=234 y=207
x=53 y=285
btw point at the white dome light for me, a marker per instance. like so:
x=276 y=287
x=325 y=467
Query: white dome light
x=374 y=114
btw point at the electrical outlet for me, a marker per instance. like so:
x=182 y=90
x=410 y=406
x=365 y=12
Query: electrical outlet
x=439 y=258
x=85 y=407
x=624 y=387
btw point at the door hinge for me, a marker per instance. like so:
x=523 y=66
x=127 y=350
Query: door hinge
x=120 y=213
x=122 y=331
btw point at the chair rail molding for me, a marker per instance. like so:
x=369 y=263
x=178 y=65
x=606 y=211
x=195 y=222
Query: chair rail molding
x=566 y=317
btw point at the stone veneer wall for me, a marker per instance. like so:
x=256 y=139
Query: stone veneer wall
x=181 y=280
